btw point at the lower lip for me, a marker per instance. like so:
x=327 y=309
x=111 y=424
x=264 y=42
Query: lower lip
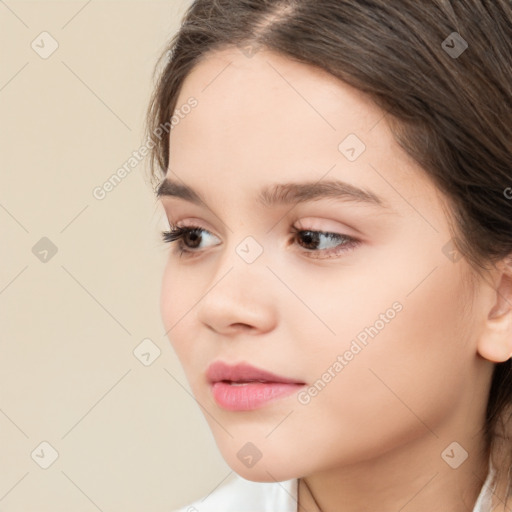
x=253 y=395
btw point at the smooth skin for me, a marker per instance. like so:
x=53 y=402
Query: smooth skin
x=372 y=439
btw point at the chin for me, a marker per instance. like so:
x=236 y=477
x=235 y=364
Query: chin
x=263 y=471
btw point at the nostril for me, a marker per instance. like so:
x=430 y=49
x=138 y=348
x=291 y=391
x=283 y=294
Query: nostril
x=242 y=326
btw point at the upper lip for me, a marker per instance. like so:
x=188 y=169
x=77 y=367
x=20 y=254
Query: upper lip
x=242 y=372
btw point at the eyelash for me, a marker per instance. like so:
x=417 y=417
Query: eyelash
x=178 y=233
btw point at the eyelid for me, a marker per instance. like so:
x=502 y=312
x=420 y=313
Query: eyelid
x=327 y=226
x=191 y=222
x=313 y=223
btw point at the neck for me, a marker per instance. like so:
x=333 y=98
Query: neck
x=414 y=478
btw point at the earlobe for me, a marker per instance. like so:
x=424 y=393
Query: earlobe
x=495 y=348
x=495 y=343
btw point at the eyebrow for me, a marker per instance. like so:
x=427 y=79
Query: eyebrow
x=285 y=193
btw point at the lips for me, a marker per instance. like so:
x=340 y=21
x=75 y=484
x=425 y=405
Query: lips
x=243 y=373
x=245 y=388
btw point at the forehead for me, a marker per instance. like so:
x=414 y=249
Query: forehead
x=272 y=90
x=268 y=116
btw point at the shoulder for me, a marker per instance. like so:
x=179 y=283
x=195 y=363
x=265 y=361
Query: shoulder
x=241 y=495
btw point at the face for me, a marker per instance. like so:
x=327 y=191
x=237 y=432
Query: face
x=353 y=296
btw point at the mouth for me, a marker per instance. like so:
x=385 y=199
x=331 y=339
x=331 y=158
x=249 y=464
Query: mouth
x=243 y=387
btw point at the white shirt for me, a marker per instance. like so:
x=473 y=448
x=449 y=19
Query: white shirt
x=241 y=495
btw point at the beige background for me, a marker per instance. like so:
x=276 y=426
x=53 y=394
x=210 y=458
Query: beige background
x=129 y=437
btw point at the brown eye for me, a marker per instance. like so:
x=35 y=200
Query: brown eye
x=321 y=242
x=194 y=236
x=188 y=238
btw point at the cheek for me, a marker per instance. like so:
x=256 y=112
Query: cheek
x=168 y=300
x=408 y=375
x=177 y=296
x=404 y=368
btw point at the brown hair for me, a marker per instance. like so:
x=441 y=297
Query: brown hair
x=449 y=106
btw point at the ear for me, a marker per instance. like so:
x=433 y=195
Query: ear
x=495 y=343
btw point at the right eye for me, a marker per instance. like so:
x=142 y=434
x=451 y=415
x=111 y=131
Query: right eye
x=188 y=238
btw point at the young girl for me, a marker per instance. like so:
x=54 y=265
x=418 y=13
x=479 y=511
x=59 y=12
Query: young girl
x=337 y=177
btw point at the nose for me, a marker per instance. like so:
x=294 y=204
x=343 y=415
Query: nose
x=239 y=300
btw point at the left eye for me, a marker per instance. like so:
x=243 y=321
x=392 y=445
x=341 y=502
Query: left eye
x=315 y=242
x=330 y=241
